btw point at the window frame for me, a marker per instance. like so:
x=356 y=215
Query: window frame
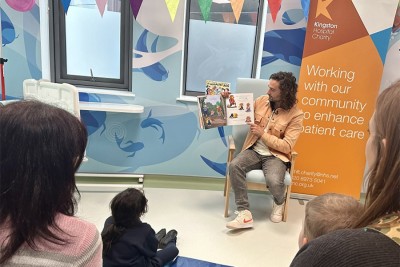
x=257 y=41
x=58 y=62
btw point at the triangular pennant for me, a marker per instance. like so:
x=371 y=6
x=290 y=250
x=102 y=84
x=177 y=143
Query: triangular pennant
x=65 y=4
x=172 y=8
x=237 y=6
x=135 y=5
x=101 y=5
x=381 y=41
x=205 y=7
x=274 y=6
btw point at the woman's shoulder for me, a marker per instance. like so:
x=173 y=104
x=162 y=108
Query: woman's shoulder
x=77 y=231
x=82 y=239
x=74 y=224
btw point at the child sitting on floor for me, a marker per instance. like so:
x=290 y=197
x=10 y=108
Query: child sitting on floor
x=127 y=241
x=327 y=213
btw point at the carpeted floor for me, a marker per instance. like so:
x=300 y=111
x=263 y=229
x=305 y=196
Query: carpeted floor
x=203 y=239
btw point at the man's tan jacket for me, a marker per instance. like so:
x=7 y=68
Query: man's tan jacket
x=283 y=128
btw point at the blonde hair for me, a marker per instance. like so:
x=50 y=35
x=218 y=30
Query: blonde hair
x=330 y=212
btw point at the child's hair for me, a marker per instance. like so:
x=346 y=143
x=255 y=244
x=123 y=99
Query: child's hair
x=126 y=208
x=330 y=212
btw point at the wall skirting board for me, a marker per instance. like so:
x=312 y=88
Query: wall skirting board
x=118 y=182
x=108 y=182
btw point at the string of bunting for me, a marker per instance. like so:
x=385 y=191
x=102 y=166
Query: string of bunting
x=172 y=6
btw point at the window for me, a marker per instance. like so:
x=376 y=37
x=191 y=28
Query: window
x=88 y=49
x=220 y=49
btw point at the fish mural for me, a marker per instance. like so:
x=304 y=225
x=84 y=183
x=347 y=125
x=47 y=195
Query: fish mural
x=154 y=123
x=305 y=4
x=160 y=25
x=31 y=34
x=155 y=71
x=159 y=139
x=131 y=147
x=292 y=16
x=8 y=34
x=284 y=38
x=218 y=167
x=221 y=132
x=94 y=120
x=286 y=45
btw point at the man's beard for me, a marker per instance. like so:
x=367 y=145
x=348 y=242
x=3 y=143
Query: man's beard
x=272 y=104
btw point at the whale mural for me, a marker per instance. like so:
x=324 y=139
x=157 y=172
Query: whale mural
x=8 y=34
x=155 y=71
x=164 y=133
x=31 y=33
x=286 y=45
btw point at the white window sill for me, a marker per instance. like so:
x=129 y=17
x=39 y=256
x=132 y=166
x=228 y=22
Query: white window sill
x=104 y=91
x=184 y=98
x=111 y=107
x=107 y=106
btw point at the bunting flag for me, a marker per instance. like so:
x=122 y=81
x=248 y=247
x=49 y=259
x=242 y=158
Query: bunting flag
x=101 y=4
x=65 y=4
x=237 y=6
x=172 y=6
x=205 y=7
x=274 y=6
x=135 y=5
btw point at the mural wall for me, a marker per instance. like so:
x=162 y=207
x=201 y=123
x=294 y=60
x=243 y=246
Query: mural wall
x=285 y=31
x=166 y=137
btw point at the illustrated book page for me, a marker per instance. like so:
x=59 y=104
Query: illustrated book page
x=215 y=87
x=240 y=109
x=211 y=111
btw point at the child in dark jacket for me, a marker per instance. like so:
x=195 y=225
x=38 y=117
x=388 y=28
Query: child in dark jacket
x=127 y=241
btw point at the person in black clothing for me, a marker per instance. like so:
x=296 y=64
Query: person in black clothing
x=127 y=241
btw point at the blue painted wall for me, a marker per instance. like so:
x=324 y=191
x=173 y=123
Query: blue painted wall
x=166 y=138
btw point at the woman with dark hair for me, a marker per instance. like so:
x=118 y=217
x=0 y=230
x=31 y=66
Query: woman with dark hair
x=130 y=242
x=41 y=148
x=375 y=241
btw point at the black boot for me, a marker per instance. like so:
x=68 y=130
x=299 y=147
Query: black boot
x=169 y=237
x=160 y=235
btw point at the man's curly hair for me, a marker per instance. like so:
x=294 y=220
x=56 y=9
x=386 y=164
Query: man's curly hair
x=288 y=87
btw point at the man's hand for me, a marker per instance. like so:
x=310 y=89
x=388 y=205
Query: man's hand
x=256 y=130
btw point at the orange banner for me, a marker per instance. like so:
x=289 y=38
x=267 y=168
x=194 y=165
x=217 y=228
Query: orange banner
x=339 y=81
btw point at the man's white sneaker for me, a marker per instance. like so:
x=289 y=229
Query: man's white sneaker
x=277 y=211
x=244 y=219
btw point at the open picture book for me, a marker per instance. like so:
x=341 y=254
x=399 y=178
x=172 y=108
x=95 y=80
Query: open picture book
x=216 y=111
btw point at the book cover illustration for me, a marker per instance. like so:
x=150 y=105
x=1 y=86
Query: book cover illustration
x=215 y=87
x=211 y=111
x=240 y=109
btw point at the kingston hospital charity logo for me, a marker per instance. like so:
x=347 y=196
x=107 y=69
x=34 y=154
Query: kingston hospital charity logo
x=323 y=31
x=322 y=8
